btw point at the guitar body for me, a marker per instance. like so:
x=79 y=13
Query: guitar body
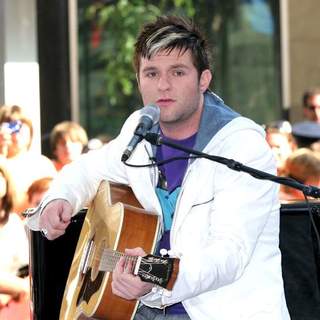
x=116 y=221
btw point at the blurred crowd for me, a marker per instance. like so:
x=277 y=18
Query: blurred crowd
x=25 y=176
x=297 y=146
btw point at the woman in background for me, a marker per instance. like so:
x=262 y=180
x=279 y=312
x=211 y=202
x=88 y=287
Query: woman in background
x=24 y=164
x=14 y=255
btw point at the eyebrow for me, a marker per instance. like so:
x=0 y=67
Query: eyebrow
x=175 y=66
x=148 y=69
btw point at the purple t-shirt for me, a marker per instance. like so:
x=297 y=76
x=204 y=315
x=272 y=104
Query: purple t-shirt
x=170 y=179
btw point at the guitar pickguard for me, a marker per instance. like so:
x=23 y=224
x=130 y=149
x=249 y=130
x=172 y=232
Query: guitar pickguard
x=89 y=287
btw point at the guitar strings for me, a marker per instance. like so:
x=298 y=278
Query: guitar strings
x=109 y=259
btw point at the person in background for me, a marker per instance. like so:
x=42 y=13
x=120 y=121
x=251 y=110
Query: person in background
x=5 y=139
x=24 y=164
x=14 y=122
x=307 y=132
x=37 y=190
x=67 y=141
x=281 y=141
x=14 y=255
x=311 y=104
x=302 y=165
x=223 y=225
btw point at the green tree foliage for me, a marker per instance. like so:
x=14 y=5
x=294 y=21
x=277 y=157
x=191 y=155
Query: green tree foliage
x=244 y=61
x=108 y=31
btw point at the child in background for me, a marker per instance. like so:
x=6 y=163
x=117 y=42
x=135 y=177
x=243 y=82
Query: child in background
x=67 y=142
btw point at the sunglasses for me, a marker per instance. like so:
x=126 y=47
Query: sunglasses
x=12 y=126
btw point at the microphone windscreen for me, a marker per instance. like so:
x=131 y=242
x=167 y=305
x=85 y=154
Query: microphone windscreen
x=151 y=111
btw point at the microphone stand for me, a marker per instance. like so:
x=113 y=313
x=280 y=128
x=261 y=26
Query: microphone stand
x=307 y=190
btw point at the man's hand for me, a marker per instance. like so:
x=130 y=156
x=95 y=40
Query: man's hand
x=124 y=283
x=55 y=218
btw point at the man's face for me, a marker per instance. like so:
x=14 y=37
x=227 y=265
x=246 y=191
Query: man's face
x=171 y=81
x=312 y=111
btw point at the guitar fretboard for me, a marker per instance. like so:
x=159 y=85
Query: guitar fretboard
x=150 y=268
x=110 y=258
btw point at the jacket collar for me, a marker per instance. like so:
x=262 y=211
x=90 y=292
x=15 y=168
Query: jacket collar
x=214 y=117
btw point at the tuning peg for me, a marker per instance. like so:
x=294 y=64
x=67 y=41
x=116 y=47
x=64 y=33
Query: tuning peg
x=163 y=252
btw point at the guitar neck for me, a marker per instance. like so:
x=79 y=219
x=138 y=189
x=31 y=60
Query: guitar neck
x=161 y=271
x=110 y=258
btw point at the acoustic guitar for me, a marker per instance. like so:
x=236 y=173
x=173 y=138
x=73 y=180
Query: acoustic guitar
x=114 y=221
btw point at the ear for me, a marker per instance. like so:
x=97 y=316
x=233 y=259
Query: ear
x=205 y=80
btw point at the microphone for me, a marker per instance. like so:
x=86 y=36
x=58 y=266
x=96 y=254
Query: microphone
x=150 y=115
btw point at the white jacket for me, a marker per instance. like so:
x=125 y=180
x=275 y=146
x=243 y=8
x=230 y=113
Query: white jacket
x=225 y=228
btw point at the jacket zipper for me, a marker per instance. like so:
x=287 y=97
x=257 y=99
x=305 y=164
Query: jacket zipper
x=178 y=201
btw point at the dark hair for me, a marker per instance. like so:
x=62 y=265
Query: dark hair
x=308 y=94
x=168 y=33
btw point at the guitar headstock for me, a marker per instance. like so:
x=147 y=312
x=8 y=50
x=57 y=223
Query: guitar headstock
x=161 y=271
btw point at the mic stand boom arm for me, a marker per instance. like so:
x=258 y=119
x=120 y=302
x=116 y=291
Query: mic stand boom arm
x=307 y=190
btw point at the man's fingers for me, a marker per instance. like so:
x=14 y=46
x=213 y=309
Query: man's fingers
x=55 y=218
x=56 y=223
x=120 y=291
x=124 y=283
x=128 y=266
x=126 y=286
x=120 y=266
x=135 y=252
x=65 y=217
x=66 y=212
